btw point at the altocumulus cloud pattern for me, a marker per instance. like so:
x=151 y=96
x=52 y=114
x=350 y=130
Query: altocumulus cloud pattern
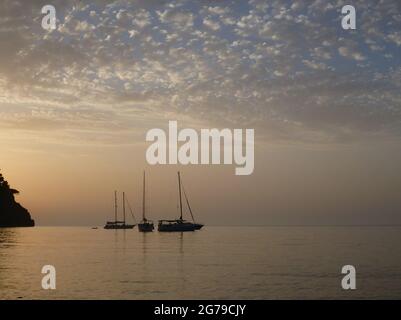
x=286 y=68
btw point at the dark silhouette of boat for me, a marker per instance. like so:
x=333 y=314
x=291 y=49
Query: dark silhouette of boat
x=145 y=225
x=112 y=225
x=198 y=226
x=180 y=225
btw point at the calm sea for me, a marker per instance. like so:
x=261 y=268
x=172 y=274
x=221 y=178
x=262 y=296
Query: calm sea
x=214 y=263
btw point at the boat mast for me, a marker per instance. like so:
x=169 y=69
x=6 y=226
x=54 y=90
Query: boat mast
x=115 y=206
x=124 y=206
x=179 y=189
x=189 y=206
x=143 y=200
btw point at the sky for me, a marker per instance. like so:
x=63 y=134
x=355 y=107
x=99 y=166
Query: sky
x=325 y=103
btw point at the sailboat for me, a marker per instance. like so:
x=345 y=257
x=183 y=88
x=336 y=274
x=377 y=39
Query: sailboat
x=145 y=225
x=179 y=225
x=198 y=226
x=118 y=224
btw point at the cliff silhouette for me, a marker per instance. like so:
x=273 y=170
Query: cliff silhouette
x=12 y=214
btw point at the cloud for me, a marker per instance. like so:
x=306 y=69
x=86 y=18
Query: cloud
x=349 y=53
x=287 y=69
x=315 y=65
x=180 y=19
x=211 y=24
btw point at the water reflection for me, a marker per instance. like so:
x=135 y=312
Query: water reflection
x=181 y=244
x=8 y=240
x=144 y=236
x=180 y=260
x=8 y=237
x=221 y=263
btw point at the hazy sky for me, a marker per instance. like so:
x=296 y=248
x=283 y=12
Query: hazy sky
x=325 y=103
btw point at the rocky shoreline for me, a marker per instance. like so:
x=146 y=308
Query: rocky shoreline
x=12 y=214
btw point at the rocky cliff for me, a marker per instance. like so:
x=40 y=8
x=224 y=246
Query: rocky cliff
x=12 y=214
